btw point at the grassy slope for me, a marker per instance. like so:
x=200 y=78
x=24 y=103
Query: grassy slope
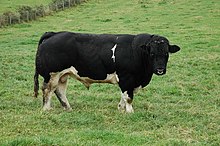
x=180 y=108
x=11 y=5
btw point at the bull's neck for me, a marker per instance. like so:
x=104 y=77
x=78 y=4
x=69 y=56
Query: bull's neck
x=148 y=72
x=144 y=67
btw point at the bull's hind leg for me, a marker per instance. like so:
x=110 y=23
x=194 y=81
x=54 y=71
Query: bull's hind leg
x=61 y=92
x=48 y=90
x=47 y=94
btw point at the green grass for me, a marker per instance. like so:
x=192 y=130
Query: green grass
x=180 y=108
x=12 y=5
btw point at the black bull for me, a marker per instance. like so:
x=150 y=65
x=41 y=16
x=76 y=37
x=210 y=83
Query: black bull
x=123 y=59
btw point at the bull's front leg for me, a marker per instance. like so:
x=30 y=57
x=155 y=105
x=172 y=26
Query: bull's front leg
x=125 y=103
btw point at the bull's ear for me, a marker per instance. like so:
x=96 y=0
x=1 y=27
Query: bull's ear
x=174 y=48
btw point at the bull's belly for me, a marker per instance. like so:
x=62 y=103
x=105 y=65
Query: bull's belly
x=63 y=75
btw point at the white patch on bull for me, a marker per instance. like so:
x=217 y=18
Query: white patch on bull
x=117 y=78
x=111 y=78
x=113 y=50
x=125 y=103
x=137 y=89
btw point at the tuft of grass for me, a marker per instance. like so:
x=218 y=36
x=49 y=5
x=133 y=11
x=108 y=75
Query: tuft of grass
x=180 y=108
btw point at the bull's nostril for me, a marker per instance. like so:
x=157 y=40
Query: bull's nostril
x=160 y=71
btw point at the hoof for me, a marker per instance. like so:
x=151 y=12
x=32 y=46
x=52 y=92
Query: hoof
x=47 y=108
x=68 y=109
x=129 y=111
x=129 y=108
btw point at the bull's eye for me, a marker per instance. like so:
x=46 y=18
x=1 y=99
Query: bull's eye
x=151 y=54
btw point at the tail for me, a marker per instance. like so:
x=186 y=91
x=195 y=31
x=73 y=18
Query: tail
x=45 y=36
x=36 y=83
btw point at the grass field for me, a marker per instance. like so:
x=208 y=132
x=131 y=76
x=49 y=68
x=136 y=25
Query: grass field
x=180 y=108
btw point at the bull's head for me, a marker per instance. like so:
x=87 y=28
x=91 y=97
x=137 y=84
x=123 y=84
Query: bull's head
x=158 y=50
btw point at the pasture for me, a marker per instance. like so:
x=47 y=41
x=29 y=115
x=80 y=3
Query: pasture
x=179 y=108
